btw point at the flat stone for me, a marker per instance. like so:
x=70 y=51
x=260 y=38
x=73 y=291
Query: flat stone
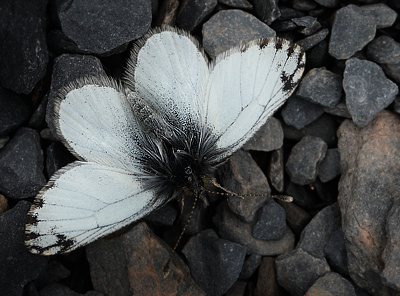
x=230 y=28
x=384 y=16
x=367 y=90
x=267 y=10
x=313 y=40
x=336 y=253
x=330 y=166
x=243 y=4
x=310 y=24
x=269 y=137
x=332 y=284
x=215 y=263
x=193 y=12
x=271 y=224
x=352 y=29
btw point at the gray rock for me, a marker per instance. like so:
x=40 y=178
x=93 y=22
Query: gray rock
x=24 y=55
x=351 y=31
x=215 y=263
x=304 y=196
x=271 y=224
x=167 y=13
x=330 y=166
x=3 y=141
x=276 y=169
x=298 y=270
x=367 y=90
x=14 y=111
x=230 y=28
x=21 y=165
x=283 y=26
x=121 y=266
x=242 y=4
x=340 y=109
x=322 y=87
x=18 y=266
x=166 y=215
x=193 y=12
x=318 y=56
x=332 y=284
x=267 y=10
x=269 y=137
x=57 y=289
x=288 y=13
x=266 y=280
x=367 y=190
x=328 y=3
x=298 y=112
x=310 y=24
x=304 y=5
x=336 y=254
x=105 y=26
x=304 y=160
x=297 y=218
x=250 y=265
x=384 y=16
x=313 y=40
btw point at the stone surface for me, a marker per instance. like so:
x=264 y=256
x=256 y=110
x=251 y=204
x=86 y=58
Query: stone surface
x=299 y=112
x=352 y=29
x=229 y=28
x=215 y=263
x=370 y=164
x=304 y=160
x=193 y=12
x=328 y=3
x=321 y=86
x=267 y=10
x=61 y=290
x=167 y=13
x=244 y=4
x=276 y=170
x=250 y=265
x=309 y=25
x=57 y=156
x=313 y=39
x=266 y=280
x=17 y=265
x=271 y=224
x=384 y=16
x=330 y=166
x=269 y=137
x=104 y=26
x=332 y=284
x=21 y=164
x=134 y=262
x=299 y=262
x=336 y=254
x=367 y=90
x=24 y=55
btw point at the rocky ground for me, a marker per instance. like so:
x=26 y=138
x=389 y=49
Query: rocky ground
x=334 y=147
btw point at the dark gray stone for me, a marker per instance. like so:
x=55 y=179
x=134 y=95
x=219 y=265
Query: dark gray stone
x=242 y=4
x=313 y=40
x=317 y=233
x=266 y=280
x=17 y=265
x=304 y=5
x=276 y=169
x=3 y=141
x=384 y=16
x=269 y=137
x=297 y=218
x=283 y=26
x=367 y=90
x=57 y=289
x=291 y=265
x=14 y=111
x=267 y=10
x=37 y=119
x=250 y=265
x=322 y=87
x=215 y=263
x=298 y=112
x=21 y=165
x=310 y=24
x=271 y=224
x=332 y=284
x=396 y=106
x=166 y=215
x=230 y=28
x=304 y=160
x=330 y=166
x=193 y=12
x=352 y=29
x=303 y=196
x=328 y=3
x=167 y=13
x=318 y=56
x=336 y=254
x=105 y=26
x=288 y=13
x=340 y=109
x=57 y=156
x=23 y=48
x=368 y=189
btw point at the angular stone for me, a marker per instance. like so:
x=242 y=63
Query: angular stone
x=304 y=160
x=215 y=263
x=193 y=12
x=250 y=265
x=298 y=112
x=271 y=224
x=297 y=218
x=230 y=28
x=313 y=40
x=384 y=16
x=310 y=24
x=330 y=166
x=352 y=29
x=336 y=253
x=266 y=280
x=269 y=137
x=332 y=284
x=328 y=3
x=267 y=10
x=276 y=169
x=367 y=90
x=167 y=13
x=243 y=4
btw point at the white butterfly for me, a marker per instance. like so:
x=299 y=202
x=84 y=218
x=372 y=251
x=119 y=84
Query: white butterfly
x=140 y=143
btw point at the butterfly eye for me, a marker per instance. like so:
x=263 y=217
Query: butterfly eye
x=188 y=170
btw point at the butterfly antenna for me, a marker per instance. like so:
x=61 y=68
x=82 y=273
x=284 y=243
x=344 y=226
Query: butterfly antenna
x=167 y=266
x=285 y=198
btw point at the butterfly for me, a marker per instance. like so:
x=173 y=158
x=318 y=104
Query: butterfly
x=163 y=129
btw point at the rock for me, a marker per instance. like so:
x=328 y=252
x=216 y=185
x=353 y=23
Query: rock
x=367 y=191
x=328 y=3
x=340 y=110
x=384 y=16
x=14 y=111
x=367 y=90
x=249 y=267
x=297 y=218
x=269 y=137
x=134 y=262
x=313 y=40
x=61 y=290
x=304 y=5
x=57 y=156
x=318 y=56
x=21 y=164
x=283 y=26
x=336 y=254
x=167 y=14
x=266 y=280
x=18 y=266
x=24 y=55
x=330 y=166
x=243 y=4
x=37 y=119
x=276 y=169
x=271 y=224
x=267 y=10
x=238 y=289
x=193 y=12
x=105 y=26
x=166 y=215
x=322 y=87
x=230 y=28
x=332 y=284
x=310 y=24
x=291 y=265
x=352 y=29
x=304 y=160
x=298 y=112
x=215 y=263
